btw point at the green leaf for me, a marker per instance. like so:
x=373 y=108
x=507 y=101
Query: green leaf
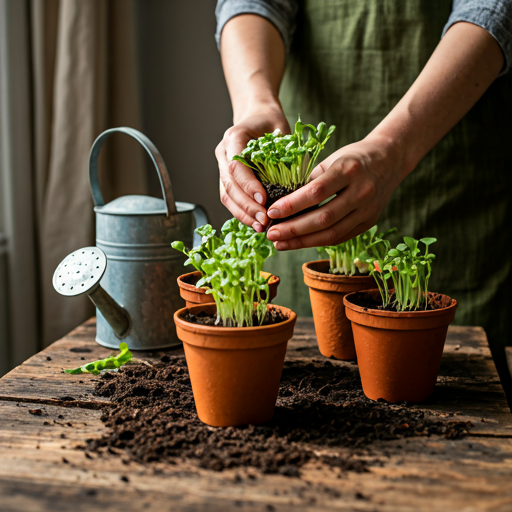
x=112 y=362
x=428 y=241
x=410 y=242
x=401 y=247
x=179 y=246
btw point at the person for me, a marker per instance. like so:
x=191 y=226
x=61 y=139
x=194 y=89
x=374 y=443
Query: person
x=420 y=93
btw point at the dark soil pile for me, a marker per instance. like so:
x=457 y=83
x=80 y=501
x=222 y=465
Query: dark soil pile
x=320 y=405
x=273 y=316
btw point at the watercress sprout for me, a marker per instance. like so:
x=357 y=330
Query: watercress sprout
x=230 y=266
x=344 y=258
x=406 y=266
x=286 y=160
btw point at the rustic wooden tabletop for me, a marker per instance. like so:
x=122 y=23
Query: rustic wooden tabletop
x=41 y=469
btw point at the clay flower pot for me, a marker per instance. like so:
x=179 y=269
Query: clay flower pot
x=398 y=353
x=194 y=295
x=235 y=371
x=326 y=292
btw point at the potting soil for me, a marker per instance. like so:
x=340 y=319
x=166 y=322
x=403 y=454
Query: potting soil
x=273 y=316
x=435 y=301
x=320 y=406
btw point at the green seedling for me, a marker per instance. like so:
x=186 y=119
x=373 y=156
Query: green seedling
x=286 y=160
x=109 y=363
x=406 y=266
x=344 y=258
x=230 y=266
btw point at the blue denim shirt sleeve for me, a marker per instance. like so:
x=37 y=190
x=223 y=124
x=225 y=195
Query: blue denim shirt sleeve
x=281 y=13
x=495 y=16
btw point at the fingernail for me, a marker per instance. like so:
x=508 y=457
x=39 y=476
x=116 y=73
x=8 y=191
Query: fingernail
x=274 y=213
x=273 y=234
x=257 y=227
x=282 y=246
x=258 y=198
x=261 y=217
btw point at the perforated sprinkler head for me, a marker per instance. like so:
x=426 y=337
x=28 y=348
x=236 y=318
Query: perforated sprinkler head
x=81 y=272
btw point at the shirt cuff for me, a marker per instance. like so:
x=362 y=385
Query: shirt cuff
x=227 y=9
x=495 y=21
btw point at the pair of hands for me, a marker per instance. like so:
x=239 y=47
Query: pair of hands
x=362 y=175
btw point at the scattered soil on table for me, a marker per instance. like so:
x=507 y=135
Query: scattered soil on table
x=273 y=316
x=435 y=301
x=80 y=350
x=320 y=406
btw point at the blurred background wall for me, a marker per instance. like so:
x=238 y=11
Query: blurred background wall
x=185 y=103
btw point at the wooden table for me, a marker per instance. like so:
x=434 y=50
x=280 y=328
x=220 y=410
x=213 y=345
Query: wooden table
x=40 y=469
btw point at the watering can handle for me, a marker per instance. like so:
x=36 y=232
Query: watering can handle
x=156 y=158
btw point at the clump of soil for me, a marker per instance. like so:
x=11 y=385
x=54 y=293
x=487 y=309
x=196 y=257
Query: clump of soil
x=275 y=192
x=321 y=405
x=273 y=316
x=435 y=301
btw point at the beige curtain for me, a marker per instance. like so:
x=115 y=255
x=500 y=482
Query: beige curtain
x=85 y=80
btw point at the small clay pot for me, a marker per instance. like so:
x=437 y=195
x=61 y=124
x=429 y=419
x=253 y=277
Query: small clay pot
x=235 y=371
x=326 y=292
x=399 y=353
x=194 y=295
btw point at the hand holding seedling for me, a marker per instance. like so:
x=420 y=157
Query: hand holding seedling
x=240 y=192
x=362 y=176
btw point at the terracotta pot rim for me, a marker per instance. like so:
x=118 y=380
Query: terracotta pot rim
x=396 y=314
x=323 y=276
x=232 y=332
x=194 y=289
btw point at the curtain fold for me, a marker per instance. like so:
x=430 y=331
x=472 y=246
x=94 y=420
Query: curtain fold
x=83 y=79
x=94 y=86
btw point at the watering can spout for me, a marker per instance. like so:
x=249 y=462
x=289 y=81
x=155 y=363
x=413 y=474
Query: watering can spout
x=117 y=317
x=80 y=273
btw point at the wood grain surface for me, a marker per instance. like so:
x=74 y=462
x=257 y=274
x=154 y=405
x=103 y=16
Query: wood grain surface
x=45 y=416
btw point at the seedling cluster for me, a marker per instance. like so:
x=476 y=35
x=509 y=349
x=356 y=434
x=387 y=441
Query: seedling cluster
x=406 y=266
x=231 y=266
x=344 y=258
x=286 y=160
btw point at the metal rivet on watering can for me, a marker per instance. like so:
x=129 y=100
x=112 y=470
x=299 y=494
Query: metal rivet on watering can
x=135 y=233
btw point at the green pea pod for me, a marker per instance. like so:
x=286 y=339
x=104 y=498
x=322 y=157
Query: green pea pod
x=109 y=363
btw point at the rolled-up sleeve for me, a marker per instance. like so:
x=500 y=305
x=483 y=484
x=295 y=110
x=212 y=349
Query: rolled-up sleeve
x=495 y=16
x=281 y=13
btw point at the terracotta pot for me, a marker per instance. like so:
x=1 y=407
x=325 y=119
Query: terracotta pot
x=399 y=353
x=235 y=371
x=326 y=292
x=194 y=295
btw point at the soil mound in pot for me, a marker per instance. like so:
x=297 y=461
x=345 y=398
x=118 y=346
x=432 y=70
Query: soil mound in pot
x=435 y=301
x=321 y=405
x=273 y=316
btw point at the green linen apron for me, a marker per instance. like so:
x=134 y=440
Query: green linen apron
x=350 y=63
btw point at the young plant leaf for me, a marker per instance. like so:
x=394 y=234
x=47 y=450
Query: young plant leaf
x=109 y=363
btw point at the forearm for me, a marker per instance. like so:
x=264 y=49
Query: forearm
x=253 y=58
x=465 y=63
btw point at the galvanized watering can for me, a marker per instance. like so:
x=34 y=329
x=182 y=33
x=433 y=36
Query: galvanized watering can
x=133 y=259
